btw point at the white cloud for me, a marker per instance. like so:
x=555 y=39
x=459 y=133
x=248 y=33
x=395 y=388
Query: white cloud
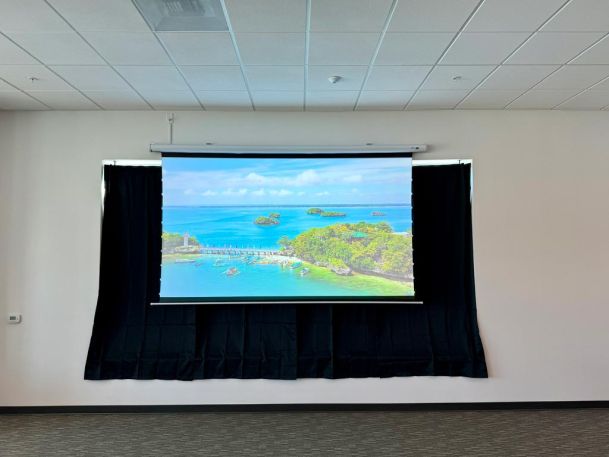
x=304 y=178
x=322 y=194
x=209 y=193
x=307 y=177
x=256 y=178
x=189 y=192
x=259 y=193
x=353 y=178
x=301 y=193
x=233 y=192
x=281 y=193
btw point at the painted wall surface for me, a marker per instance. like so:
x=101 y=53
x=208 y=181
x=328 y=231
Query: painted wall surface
x=541 y=239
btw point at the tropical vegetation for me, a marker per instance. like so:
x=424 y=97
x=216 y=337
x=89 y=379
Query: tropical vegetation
x=263 y=220
x=361 y=247
x=315 y=211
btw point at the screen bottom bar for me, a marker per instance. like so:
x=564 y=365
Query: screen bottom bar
x=291 y=302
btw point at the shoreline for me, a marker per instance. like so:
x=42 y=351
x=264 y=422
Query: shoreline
x=357 y=280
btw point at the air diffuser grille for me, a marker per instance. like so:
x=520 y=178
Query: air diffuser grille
x=183 y=15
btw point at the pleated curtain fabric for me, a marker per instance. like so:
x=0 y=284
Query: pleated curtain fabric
x=133 y=340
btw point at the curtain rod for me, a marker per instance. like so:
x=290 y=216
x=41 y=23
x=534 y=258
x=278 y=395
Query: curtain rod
x=210 y=148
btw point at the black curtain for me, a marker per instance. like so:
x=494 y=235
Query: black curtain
x=133 y=340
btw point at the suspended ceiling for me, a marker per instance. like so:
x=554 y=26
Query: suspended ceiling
x=278 y=55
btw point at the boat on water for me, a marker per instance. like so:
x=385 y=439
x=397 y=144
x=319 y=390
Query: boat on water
x=295 y=265
x=185 y=260
x=219 y=263
x=232 y=271
x=251 y=260
x=305 y=271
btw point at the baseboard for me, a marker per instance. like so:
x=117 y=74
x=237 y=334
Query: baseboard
x=309 y=407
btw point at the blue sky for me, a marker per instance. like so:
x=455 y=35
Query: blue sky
x=313 y=181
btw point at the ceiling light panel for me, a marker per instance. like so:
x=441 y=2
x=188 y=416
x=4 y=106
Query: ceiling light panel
x=183 y=15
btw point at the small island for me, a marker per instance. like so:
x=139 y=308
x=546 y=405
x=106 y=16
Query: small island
x=263 y=220
x=332 y=214
x=315 y=211
x=378 y=213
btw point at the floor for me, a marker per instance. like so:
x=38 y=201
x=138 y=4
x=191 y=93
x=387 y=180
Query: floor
x=449 y=433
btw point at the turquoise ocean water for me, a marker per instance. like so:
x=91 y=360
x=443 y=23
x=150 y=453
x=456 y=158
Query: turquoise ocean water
x=233 y=226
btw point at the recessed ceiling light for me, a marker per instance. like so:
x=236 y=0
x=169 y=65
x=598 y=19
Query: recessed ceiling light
x=183 y=15
x=334 y=79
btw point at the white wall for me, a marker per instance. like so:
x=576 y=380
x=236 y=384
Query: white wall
x=541 y=230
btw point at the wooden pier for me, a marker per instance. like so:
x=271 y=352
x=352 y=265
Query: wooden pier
x=239 y=251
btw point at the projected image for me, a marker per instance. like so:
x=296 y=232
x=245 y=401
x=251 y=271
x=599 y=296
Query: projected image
x=286 y=227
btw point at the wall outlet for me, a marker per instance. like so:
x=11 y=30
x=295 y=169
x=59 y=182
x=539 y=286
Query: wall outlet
x=14 y=318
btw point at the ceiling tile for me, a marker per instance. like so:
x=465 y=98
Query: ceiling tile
x=267 y=15
x=602 y=86
x=91 y=77
x=383 y=100
x=271 y=48
x=225 y=100
x=10 y=53
x=436 y=99
x=4 y=86
x=278 y=100
x=352 y=77
x=30 y=16
x=396 y=78
x=15 y=100
x=153 y=78
x=442 y=78
x=513 y=77
x=482 y=48
x=412 y=48
x=214 y=77
x=541 y=99
x=19 y=75
x=106 y=15
x=342 y=48
x=331 y=100
x=58 y=48
x=553 y=48
x=575 y=77
x=597 y=54
x=589 y=100
x=431 y=15
x=200 y=48
x=581 y=16
x=512 y=15
x=283 y=77
x=128 y=48
x=64 y=100
x=172 y=100
x=489 y=99
x=118 y=100
x=349 y=15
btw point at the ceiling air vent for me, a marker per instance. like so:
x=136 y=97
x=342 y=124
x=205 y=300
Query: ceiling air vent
x=183 y=15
